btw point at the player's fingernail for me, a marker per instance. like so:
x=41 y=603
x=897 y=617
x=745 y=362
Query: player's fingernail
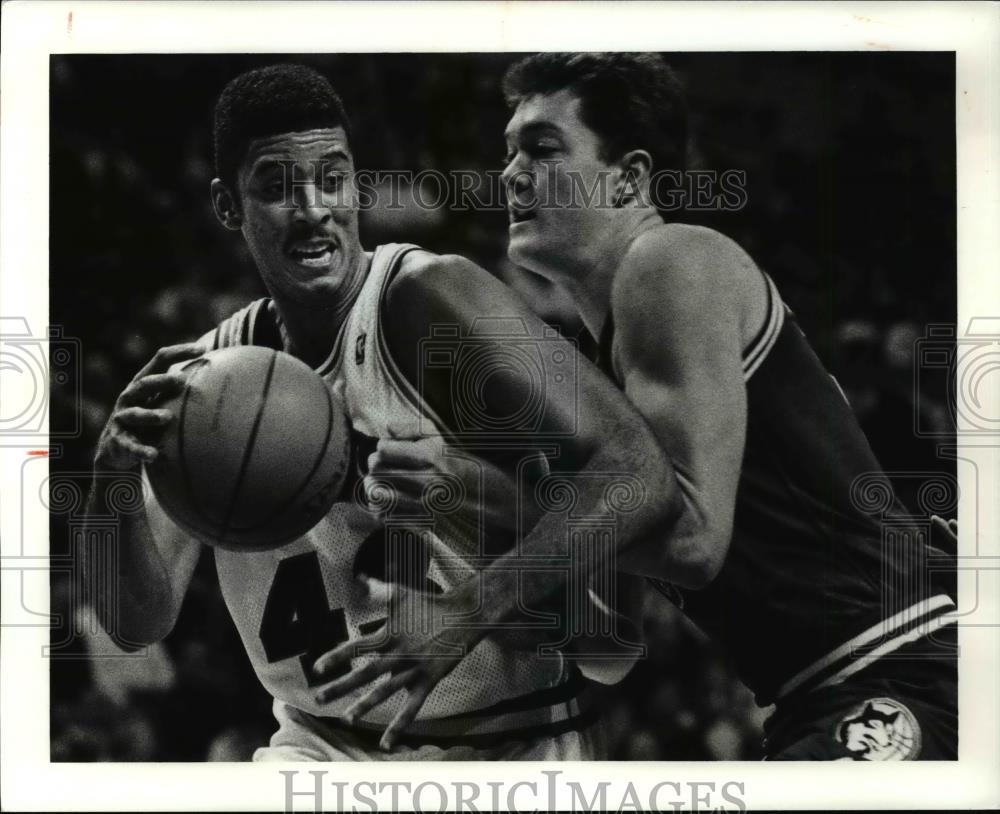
x=321 y=698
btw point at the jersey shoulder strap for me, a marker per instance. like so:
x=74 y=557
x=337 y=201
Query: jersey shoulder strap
x=254 y=324
x=760 y=346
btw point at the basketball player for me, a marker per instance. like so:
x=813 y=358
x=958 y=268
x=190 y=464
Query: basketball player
x=284 y=164
x=782 y=568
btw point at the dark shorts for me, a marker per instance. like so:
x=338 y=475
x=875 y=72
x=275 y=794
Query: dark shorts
x=899 y=708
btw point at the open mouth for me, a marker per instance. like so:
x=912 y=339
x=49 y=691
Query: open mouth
x=312 y=253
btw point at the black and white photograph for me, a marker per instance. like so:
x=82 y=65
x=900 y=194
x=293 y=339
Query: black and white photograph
x=606 y=406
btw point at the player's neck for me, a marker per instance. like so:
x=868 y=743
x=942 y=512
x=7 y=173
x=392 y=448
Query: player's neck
x=310 y=327
x=591 y=292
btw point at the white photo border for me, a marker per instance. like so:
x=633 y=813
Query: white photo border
x=33 y=31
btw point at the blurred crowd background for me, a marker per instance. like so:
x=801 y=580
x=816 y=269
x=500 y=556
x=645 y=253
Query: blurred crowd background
x=849 y=162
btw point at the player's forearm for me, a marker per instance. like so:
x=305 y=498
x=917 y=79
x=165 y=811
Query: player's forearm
x=693 y=551
x=128 y=583
x=547 y=560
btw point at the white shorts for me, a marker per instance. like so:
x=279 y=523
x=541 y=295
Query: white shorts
x=304 y=737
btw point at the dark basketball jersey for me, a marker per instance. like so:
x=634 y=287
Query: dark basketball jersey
x=821 y=578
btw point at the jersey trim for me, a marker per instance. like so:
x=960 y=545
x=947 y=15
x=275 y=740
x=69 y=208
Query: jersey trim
x=249 y=322
x=258 y=325
x=261 y=328
x=527 y=717
x=894 y=644
x=335 y=358
x=403 y=385
x=766 y=338
x=910 y=624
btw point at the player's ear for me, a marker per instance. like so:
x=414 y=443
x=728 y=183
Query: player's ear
x=635 y=169
x=226 y=208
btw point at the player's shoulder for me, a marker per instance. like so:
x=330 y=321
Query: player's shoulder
x=426 y=277
x=677 y=265
x=426 y=268
x=680 y=249
x=240 y=327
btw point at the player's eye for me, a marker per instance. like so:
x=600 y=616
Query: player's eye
x=272 y=187
x=543 y=148
x=333 y=181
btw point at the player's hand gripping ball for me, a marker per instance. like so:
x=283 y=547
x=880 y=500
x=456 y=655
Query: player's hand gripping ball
x=257 y=453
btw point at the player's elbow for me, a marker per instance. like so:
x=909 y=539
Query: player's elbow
x=682 y=550
x=135 y=634
x=131 y=641
x=698 y=568
x=700 y=554
x=134 y=622
x=701 y=537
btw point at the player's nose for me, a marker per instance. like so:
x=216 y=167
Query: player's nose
x=519 y=185
x=515 y=174
x=309 y=204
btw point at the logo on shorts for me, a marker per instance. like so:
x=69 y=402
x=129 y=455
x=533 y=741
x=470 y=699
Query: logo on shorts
x=880 y=729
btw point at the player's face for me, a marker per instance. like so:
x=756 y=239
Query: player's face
x=559 y=189
x=299 y=211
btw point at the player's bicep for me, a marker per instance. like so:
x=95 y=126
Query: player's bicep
x=699 y=418
x=680 y=358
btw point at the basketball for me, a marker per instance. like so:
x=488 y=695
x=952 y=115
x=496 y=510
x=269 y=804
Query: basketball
x=257 y=453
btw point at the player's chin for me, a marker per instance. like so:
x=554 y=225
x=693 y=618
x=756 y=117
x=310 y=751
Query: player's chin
x=525 y=246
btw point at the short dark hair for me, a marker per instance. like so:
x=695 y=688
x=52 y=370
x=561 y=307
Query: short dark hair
x=267 y=101
x=631 y=101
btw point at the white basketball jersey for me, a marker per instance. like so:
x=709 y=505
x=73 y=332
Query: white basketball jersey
x=296 y=602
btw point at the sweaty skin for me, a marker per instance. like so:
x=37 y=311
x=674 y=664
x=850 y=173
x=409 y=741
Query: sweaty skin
x=684 y=302
x=294 y=204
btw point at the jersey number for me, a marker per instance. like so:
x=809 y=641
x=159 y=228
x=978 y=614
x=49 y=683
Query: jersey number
x=298 y=620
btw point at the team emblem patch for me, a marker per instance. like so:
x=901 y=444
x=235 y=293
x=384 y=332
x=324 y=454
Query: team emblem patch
x=880 y=729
